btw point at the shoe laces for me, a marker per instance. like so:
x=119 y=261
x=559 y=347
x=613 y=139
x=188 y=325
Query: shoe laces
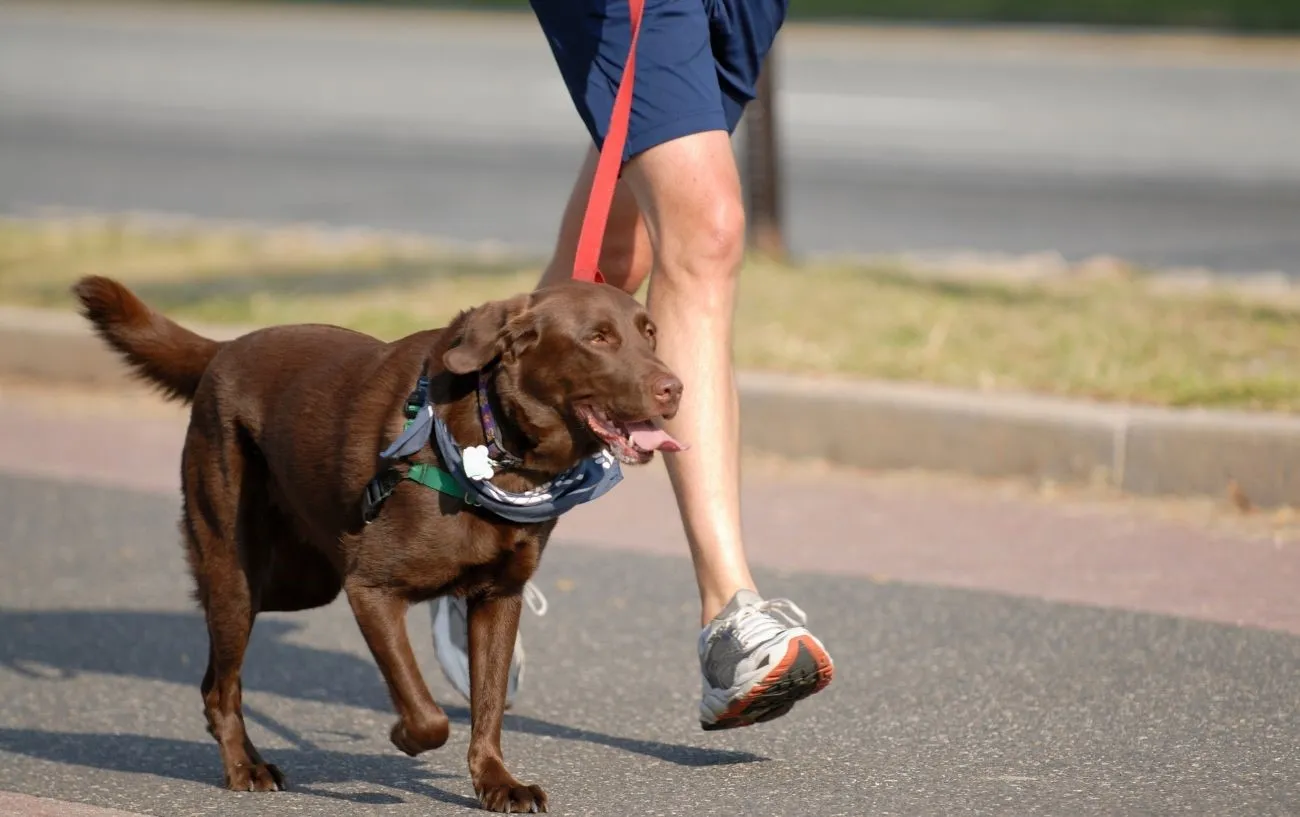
x=534 y=599
x=766 y=619
x=784 y=610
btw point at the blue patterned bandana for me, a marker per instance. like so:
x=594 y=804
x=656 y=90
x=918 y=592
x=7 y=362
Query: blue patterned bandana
x=588 y=480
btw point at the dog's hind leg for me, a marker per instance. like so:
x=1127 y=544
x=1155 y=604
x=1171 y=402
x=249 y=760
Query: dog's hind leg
x=228 y=554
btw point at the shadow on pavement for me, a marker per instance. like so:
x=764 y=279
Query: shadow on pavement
x=60 y=644
x=199 y=763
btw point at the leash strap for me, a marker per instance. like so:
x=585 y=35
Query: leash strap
x=586 y=261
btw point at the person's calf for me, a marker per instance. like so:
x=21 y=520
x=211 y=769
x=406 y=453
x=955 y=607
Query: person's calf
x=689 y=191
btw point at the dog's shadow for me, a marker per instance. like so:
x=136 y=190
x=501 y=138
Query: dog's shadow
x=306 y=770
x=61 y=644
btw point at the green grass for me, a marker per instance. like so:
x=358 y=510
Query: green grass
x=1117 y=337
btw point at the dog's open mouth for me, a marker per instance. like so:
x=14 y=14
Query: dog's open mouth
x=634 y=443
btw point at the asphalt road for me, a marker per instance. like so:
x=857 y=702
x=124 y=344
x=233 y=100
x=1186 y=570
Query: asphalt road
x=946 y=701
x=459 y=127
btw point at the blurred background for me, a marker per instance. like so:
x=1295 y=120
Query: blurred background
x=1135 y=129
x=990 y=141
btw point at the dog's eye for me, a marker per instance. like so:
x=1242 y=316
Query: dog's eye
x=603 y=334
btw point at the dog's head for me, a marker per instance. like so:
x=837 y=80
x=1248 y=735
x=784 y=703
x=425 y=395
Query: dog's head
x=575 y=366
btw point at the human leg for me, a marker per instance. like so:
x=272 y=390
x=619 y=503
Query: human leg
x=625 y=260
x=757 y=658
x=678 y=210
x=695 y=75
x=689 y=191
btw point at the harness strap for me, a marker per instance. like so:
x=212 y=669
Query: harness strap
x=430 y=476
x=610 y=166
x=377 y=490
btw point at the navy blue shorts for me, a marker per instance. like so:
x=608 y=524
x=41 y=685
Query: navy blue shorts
x=697 y=62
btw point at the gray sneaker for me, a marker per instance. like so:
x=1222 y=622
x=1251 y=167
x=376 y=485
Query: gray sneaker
x=757 y=661
x=451 y=641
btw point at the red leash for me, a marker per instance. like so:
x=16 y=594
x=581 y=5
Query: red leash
x=586 y=262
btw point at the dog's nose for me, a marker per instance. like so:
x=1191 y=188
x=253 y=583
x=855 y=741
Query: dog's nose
x=667 y=390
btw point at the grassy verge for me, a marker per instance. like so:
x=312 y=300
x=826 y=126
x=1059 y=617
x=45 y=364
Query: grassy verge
x=1117 y=336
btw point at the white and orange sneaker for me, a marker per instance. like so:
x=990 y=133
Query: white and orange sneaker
x=758 y=660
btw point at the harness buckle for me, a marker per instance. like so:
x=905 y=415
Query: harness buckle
x=376 y=491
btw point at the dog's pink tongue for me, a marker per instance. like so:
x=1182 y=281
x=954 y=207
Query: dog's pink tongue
x=649 y=437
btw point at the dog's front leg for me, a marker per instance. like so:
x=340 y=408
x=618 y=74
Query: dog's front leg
x=381 y=614
x=493 y=625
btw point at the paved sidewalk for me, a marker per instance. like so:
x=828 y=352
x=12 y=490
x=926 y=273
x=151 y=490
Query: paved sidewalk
x=1181 y=558
x=13 y=804
x=1068 y=689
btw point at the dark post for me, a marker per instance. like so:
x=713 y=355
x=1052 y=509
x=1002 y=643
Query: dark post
x=762 y=167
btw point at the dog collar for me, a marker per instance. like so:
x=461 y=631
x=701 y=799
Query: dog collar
x=496 y=451
x=466 y=478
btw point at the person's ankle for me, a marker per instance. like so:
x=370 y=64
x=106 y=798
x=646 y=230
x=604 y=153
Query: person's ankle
x=714 y=602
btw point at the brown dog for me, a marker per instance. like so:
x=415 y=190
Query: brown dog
x=284 y=437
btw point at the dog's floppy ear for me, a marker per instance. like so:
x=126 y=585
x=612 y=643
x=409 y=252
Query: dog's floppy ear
x=487 y=331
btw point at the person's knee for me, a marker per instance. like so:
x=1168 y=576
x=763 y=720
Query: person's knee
x=718 y=246
x=704 y=242
x=690 y=191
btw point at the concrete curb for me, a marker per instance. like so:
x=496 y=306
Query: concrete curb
x=1145 y=451
x=1138 y=450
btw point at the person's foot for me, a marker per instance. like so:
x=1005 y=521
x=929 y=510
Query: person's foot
x=451 y=641
x=758 y=660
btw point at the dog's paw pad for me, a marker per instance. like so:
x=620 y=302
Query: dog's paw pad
x=256 y=777
x=513 y=798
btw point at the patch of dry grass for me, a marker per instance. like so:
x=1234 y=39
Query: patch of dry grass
x=1112 y=337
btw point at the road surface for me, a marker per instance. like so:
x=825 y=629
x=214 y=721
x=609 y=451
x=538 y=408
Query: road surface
x=995 y=655
x=459 y=127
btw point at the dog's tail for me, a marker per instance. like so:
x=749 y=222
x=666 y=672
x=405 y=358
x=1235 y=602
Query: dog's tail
x=158 y=349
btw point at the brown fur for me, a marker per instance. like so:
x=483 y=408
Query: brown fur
x=285 y=429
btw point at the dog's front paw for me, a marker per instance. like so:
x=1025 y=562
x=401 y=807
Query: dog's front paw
x=255 y=777
x=511 y=797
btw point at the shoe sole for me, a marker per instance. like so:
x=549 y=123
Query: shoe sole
x=805 y=670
